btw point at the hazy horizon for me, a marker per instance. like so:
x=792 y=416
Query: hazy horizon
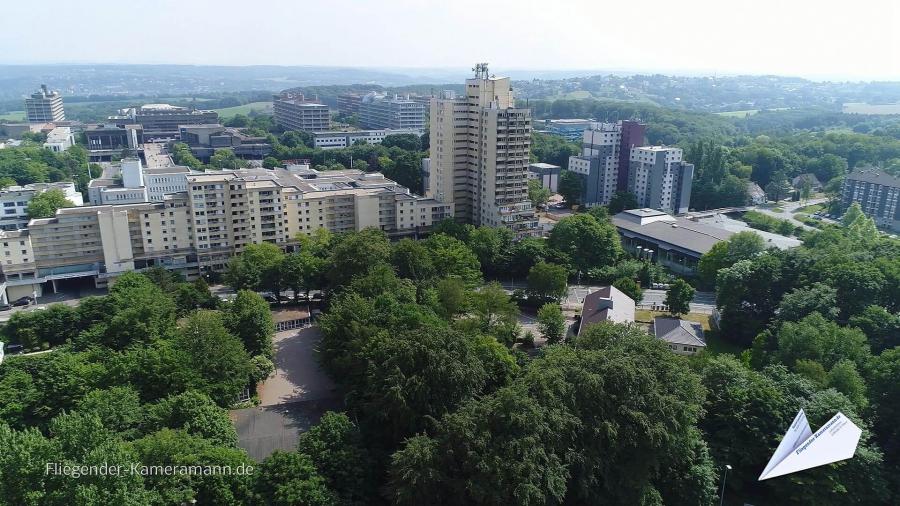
x=701 y=37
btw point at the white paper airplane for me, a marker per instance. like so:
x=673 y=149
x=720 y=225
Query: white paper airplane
x=801 y=449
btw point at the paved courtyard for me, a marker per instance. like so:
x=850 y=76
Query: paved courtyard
x=292 y=400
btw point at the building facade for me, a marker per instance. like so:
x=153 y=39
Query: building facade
x=569 y=129
x=14 y=201
x=294 y=112
x=377 y=112
x=60 y=139
x=480 y=145
x=200 y=229
x=877 y=193
x=161 y=121
x=337 y=140
x=348 y=103
x=548 y=174
x=205 y=140
x=45 y=106
x=659 y=179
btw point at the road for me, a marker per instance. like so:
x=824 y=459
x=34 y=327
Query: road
x=789 y=209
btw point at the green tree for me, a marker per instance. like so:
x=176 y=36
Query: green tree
x=551 y=322
x=537 y=194
x=413 y=261
x=289 y=479
x=881 y=327
x=249 y=318
x=570 y=187
x=46 y=203
x=679 y=297
x=629 y=287
x=337 y=449
x=621 y=201
x=356 y=253
x=586 y=241
x=221 y=366
x=452 y=296
x=493 y=308
x=803 y=301
x=270 y=162
x=258 y=267
x=815 y=338
x=226 y=159
x=547 y=281
x=846 y=379
x=452 y=258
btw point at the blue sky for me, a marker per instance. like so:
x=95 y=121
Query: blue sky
x=818 y=39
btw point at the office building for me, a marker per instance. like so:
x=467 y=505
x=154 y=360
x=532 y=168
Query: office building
x=205 y=140
x=293 y=112
x=45 y=106
x=348 y=103
x=480 y=144
x=877 y=193
x=201 y=228
x=336 y=140
x=109 y=140
x=379 y=112
x=59 y=139
x=659 y=178
x=161 y=121
x=14 y=201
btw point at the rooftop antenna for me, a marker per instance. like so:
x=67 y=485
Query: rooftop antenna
x=481 y=70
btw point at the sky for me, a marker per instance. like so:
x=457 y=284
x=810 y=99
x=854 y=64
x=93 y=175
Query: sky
x=822 y=39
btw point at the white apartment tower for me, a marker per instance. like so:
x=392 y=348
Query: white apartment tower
x=480 y=144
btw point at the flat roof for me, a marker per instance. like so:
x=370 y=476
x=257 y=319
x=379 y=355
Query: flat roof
x=685 y=234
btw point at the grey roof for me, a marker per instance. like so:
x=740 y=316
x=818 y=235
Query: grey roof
x=678 y=331
x=606 y=304
x=874 y=176
x=682 y=233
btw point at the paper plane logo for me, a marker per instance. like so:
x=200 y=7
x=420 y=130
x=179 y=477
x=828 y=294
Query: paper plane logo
x=801 y=449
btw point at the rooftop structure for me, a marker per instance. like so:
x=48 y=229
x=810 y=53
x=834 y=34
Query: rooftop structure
x=569 y=128
x=59 y=139
x=682 y=336
x=608 y=304
x=205 y=140
x=547 y=173
x=129 y=182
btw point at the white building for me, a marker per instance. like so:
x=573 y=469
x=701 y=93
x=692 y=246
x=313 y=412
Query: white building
x=337 y=140
x=60 y=139
x=15 y=199
x=659 y=178
x=132 y=183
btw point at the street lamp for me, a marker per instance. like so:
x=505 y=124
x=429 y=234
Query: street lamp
x=724 y=477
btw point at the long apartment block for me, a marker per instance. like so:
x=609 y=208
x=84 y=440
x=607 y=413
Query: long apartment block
x=199 y=230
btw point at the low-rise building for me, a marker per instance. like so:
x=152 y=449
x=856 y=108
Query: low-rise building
x=129 y=182
x=161 y=121
x=608 y=304
x=546 y=173
x=396 y=113
x=569 y=128
x=814 y=183
x=682 y=336
x=877 y=193
x=337 y=140
x=205 y=140
x=107 y=141
x=15 y=199
x=59 y=139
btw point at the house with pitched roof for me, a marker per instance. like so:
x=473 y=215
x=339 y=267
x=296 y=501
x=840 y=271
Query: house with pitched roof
x=683 y=337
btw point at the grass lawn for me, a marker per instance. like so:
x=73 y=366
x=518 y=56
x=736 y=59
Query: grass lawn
x=714 y=343
x=263 y=107
x=579 y=94
x=13 y=116
x=810 y=209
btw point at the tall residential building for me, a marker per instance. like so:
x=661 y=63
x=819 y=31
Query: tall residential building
x=659 y=179
x=377 y=112
x=199 y=229
x=161 y=121
x=877 y=193
x=45 y=106
x=605 y=158
x=294 y=112
x=480 y=144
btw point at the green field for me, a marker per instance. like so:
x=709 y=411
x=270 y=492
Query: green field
x=13 y=116
x=863 y=108
x=261 y=107
x=579 y=95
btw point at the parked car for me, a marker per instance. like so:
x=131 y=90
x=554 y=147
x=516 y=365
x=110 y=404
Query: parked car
x=23 y=301
x=4 y=307
x=13 y=349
